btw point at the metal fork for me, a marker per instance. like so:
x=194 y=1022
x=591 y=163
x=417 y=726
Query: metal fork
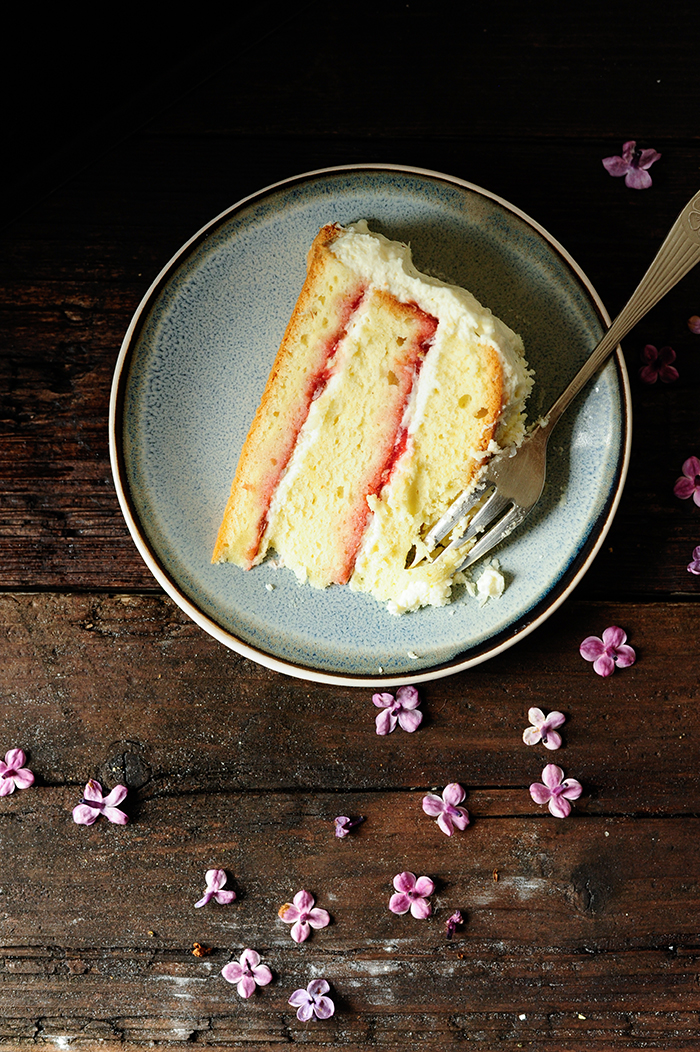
x=513 y=483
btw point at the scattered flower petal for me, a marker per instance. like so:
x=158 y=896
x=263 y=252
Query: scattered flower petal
x=402 y=709
x=343 y=824
x=689 y=483
x=542 y=728
x=13 y=773
x=609 y=651
x=694 y=324
x=302 y=915
x=412 y=895
x=657 y=365
x=313 y=1001
x=215 y=880
x=694 y=565
x=452 y=922
x=95 y=804
x=633 y=164
x=556 y=791
x=247 y=972
x=445 y=809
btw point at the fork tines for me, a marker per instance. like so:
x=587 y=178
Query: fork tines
x=489 y=508
x=455 y=514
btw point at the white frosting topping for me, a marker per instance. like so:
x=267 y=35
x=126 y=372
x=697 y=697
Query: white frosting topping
x=388 y=265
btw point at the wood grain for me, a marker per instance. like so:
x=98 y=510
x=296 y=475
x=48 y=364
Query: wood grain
x=219 y=754
x=88 y=680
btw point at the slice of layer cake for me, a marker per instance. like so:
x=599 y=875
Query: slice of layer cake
x=388 y=394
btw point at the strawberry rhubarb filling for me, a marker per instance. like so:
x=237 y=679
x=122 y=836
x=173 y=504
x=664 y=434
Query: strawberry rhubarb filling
x=350 y=442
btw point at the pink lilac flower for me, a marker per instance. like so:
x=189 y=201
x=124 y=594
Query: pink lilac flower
x=313 y=1001
x=95 y=804
x=403 y=708
x=633 y=164
x=412 y=895
x=343 y=824
x=445 y=809
x=556 y=791
x=13 y=773
x=694 y=324
x=609 y=651
x=542 y=729
x=694 y=565
x=658 y=365
x=452 y=922
x=247 y=973
x=302 y=915
x=215 y=880
x=689 y=483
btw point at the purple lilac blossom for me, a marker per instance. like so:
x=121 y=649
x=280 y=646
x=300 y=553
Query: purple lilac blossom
x=13 y=773
x=313 y=1001
x=444 y=808
x=556 y=791
x=402 y=709
x=633 y=164
x=452 y=923
x=247 y=973
x=688 y=485
x=542 y=728
x=215 y=880
x=657 y=365
x=343 y=824
x=412 y=894
x=302 y=916
x=694 y=564
x=95 y=804
x=609 y=651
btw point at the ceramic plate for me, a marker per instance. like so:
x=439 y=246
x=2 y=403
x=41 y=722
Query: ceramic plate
x=196 y=358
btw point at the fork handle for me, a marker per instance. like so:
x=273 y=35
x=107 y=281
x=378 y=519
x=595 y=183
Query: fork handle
x=678 y=254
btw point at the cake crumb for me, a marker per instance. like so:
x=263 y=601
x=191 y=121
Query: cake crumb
x=491 y=583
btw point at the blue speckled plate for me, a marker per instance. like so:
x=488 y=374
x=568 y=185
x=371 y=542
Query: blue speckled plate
x=193 y=366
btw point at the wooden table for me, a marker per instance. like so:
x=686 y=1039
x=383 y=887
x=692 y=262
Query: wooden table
x=583 y=933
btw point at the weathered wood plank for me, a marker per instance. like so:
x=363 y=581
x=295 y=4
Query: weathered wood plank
x=566 y=1033
x=525 y=882
x=126 y=687
x=554 y=945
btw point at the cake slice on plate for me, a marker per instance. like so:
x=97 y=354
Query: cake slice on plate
x=388 y=394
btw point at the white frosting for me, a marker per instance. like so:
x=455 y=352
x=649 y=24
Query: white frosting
x=388 y=265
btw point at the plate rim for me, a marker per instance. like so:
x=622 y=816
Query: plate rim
x=226 y=637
